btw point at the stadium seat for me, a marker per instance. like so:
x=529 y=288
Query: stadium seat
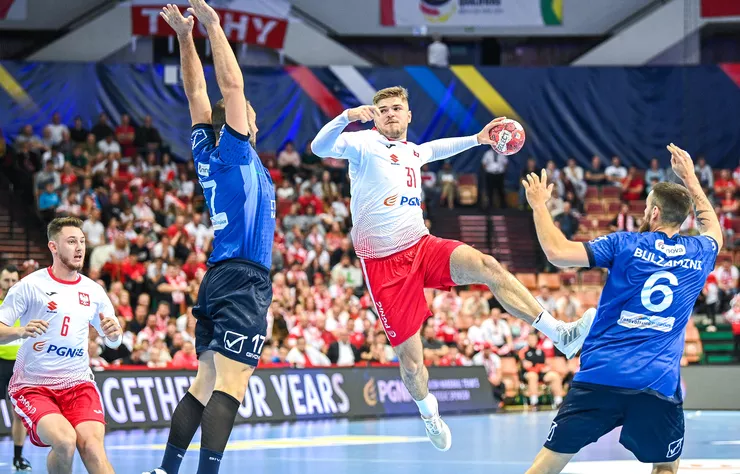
x=592 y=192
x=724 y=257
x=528 y=279
x=568 y=277
x=637 y=207
x=613 y=207
x=467 y=189
x=611 y=192
x=592 y=278
x=550 y=280
x=594 y=207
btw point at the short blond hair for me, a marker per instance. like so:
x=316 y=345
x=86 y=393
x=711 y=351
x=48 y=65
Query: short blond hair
x=388 y=92
x=55 y=226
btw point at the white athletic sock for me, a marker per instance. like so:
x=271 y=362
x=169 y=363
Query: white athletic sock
x=558 y=400
x=533 y=400
x=548 y=325
x=428 y=407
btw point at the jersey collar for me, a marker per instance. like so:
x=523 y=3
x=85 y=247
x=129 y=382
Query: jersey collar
x=64 y=282
x=389 y=139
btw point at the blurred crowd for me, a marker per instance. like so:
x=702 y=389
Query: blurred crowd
x=149 y=236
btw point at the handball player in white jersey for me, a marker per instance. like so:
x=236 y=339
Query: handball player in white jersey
x=399 y=257
x=52 y=387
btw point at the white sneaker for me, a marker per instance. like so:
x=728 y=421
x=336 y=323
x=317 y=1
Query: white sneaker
x=573 y=334
x=438 y=432
x=156 y=471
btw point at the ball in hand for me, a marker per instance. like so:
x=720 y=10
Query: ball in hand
x=508 y=137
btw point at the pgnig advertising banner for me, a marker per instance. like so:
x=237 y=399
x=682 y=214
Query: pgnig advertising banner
x=144 y=399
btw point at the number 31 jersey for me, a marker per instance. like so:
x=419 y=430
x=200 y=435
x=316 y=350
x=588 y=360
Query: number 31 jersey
x=57 y=359
x=637 y=337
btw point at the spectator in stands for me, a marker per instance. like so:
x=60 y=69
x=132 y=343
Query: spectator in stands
x=78 y=133
x=733 y=317
x=496 y=331
x=632 y=185
x=491 y=362
x=48 y=175
x=729 y=202
x=310 y=162
x=27 y=136
x=108 y=145
x=547 y=301
x=48 y=202
x=655 y=172
x=289 y=161
x=56 y=129
x=705 y=175
x=186 y=357
x=434 y=349
x=574 y=179
x=615 y=172
x=438 y=54
x=494 y=165
x=341 y=352
x=623 y=221
x=727 y=280
x=102 y=129
x=708 y=300
x=304 y=355
x=448 y=184
x=125 y=135
x=555 y=204
x=147 y=138
x=535 y=371
x=595 y=175
x=91 y=147
x=567 y=221
x=568 y=306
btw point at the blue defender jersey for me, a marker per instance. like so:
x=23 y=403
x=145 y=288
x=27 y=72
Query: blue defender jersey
x=239 y=194
x=637 y=337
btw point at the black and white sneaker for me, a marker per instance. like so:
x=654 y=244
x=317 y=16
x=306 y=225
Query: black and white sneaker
x=573 y=334
x=21 y=464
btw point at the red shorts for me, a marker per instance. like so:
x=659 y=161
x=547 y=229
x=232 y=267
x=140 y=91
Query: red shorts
x=77 y=404
x=396 y=284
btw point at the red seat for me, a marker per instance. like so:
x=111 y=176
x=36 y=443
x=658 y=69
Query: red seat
x=592 y=192
x=613 y=207
x=594 y=208
x=611 y=192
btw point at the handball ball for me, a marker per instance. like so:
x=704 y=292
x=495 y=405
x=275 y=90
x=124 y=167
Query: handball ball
x=508 y=137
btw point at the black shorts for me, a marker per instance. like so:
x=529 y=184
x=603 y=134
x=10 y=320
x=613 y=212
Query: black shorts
x=6 y=371
x=231 y=310
x=652 y=428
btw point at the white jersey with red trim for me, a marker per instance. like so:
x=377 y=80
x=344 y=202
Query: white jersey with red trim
x=59 y=358
x=385 y=183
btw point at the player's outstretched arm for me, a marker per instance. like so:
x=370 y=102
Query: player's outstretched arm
x=331 y=143
x=228 y=73
x=447 y=147
x=560 y=251
x=683 y=166
x=193 y=78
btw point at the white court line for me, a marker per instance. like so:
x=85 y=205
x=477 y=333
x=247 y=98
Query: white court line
x=405 y=461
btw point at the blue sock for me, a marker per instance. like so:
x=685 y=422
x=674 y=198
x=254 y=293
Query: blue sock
x=172 y=459
x=210 y=461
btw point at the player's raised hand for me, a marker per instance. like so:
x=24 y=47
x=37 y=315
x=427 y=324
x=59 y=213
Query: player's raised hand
x=537 y=189
x=172 y=15
x=484 y=137
x=203 y=12
x=681 y=163
x=110 y=327
x=35 y=327
x=364 y=113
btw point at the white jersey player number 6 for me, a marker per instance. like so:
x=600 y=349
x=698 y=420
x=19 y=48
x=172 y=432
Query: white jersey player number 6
x=650 y=287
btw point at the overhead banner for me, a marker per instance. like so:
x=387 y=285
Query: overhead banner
x=466 y=13
x=147 y=399
x=260 y=22
x=719 y=8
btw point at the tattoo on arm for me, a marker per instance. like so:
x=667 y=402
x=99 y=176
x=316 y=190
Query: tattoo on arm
x=702 y=221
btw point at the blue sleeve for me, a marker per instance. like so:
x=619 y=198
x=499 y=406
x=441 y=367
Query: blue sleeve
x=602 y=250
x=710 y=249
x=234 y=148
x=202 y=141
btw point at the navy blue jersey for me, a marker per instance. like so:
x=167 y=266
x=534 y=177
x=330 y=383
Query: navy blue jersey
x=239 y=194
x=637 y=337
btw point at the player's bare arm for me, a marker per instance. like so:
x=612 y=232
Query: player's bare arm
x=683 y=166
x=448 y=147
x=560 y=251
x=35 y=327
x=192 y=70
x=228 y=73
x=111 y=329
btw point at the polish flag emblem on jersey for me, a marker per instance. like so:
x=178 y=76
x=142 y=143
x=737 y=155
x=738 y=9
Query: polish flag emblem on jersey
x=84 y=299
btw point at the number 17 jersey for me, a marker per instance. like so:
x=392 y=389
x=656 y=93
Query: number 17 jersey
x=637 y=337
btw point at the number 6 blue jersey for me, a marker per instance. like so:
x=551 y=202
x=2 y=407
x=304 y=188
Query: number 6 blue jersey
x=239 y=193
x=637 y=337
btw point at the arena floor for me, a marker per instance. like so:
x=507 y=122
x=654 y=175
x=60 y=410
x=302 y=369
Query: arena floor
x=503 y=443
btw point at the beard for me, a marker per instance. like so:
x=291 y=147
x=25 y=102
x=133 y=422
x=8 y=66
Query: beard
x=70 y=263
x=393 y=130
x=644 y=227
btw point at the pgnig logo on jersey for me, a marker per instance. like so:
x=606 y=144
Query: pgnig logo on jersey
x=405 y=201
x=59 y=351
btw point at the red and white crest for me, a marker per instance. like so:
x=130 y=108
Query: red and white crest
x=84 y=299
